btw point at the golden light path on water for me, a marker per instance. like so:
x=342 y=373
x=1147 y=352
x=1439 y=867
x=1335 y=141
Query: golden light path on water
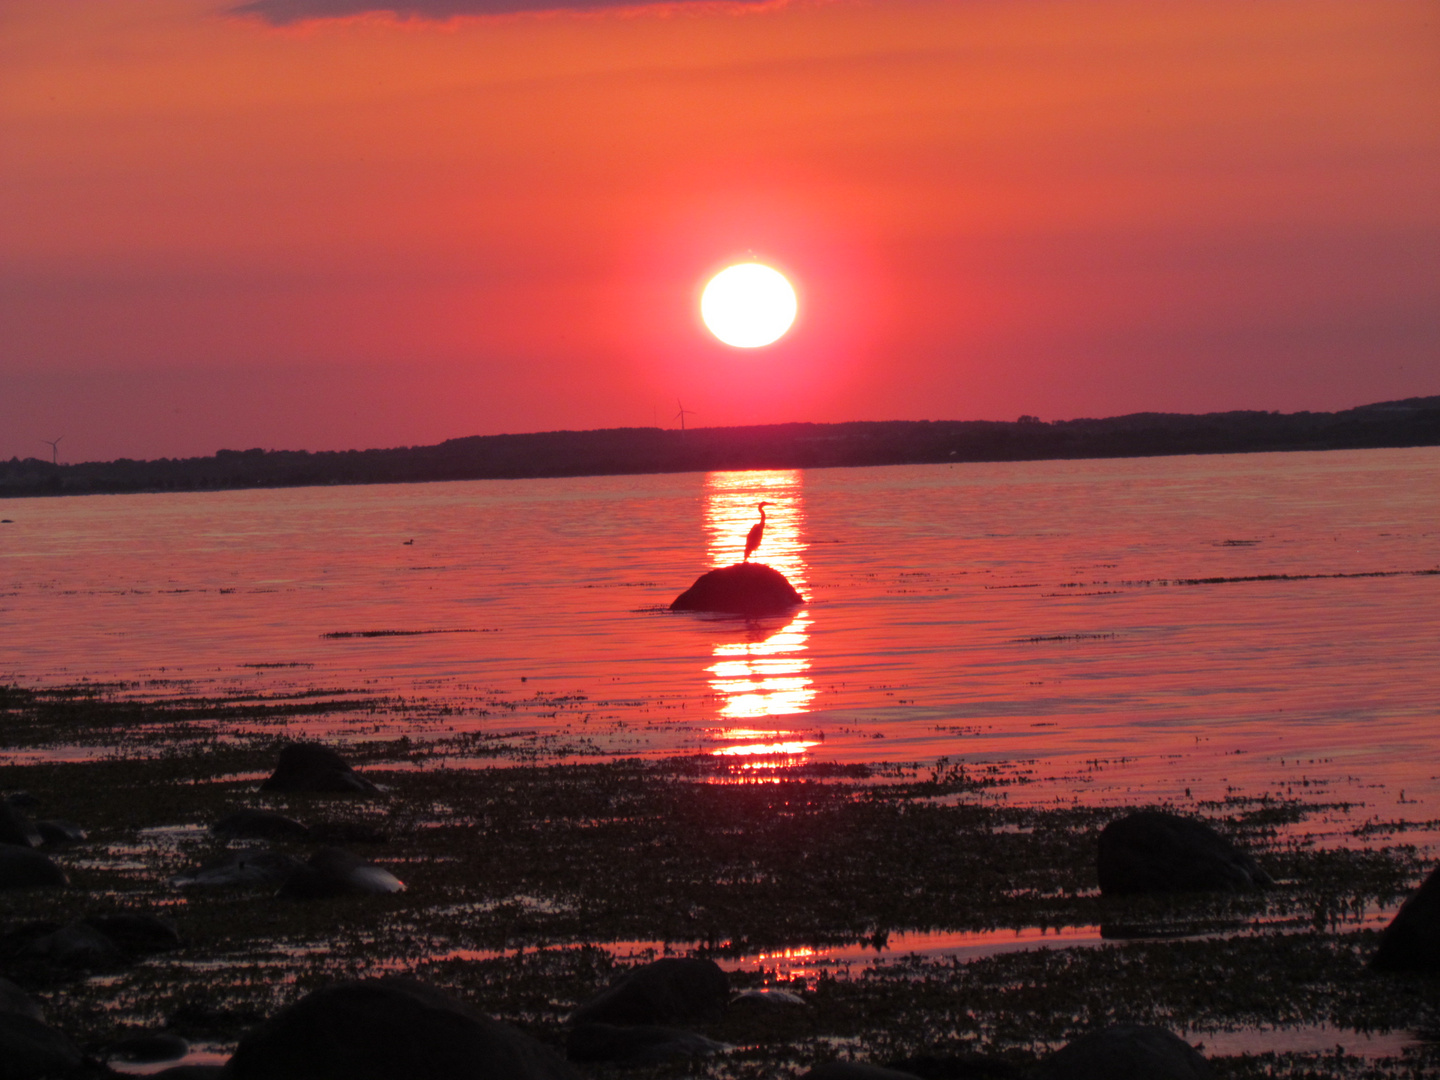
x=765 y=672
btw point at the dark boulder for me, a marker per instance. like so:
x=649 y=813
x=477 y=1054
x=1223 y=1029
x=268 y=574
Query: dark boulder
x=15 y=1000
x=745 y=588
x=638 y=1044
x=26 y=868
x=336 y=872
x=669 y=991
x=17 y=828
x=1412 y=940
x=241 y=868
x=387 y=1029
x=1152 y=851
x=312 y=767
x=29 y=1050
x=855 y=1070
x=1126 y=1052
x=55 y=832
x=259 y=825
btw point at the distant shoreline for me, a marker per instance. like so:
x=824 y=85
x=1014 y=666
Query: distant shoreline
x=631 y=451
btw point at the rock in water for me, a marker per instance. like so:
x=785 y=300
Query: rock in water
x=746 y=588
x=312 y=767
x=1151 y=851
x=1412 y=940
x=384 y=1029
x=669 y=991
x=1126 y=1052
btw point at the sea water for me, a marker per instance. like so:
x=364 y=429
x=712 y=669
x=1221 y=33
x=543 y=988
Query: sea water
x=1123 y=631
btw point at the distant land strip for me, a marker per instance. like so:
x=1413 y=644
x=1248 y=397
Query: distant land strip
x=619 y=451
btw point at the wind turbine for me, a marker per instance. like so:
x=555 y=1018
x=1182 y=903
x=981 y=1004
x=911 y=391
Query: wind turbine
x=684 y=412
x=54 y=445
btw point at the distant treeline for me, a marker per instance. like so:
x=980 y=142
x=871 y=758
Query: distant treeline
x=1413 y=422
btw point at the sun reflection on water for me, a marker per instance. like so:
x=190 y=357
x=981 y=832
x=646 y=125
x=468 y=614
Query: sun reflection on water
x=766 y=673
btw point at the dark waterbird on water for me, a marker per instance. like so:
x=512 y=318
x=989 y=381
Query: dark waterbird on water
x=757 y=532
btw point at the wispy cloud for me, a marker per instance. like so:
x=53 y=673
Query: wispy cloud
x=286 y=12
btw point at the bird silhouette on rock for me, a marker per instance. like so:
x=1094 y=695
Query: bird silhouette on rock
x=757 y=532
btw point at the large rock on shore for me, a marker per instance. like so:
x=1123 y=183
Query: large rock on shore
x=316 y=768
x=385 y=1029
x=669 y=991
x=1412 y=940
x=1126 y=1052
x=746 y=588
x=1152 y=851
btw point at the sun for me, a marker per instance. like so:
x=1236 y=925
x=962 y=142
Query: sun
x=748 y=305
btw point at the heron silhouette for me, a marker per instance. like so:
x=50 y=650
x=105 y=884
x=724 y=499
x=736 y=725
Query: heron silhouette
x=757 y=532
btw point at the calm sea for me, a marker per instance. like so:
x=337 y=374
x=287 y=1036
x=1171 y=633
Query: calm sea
x=1118 y=631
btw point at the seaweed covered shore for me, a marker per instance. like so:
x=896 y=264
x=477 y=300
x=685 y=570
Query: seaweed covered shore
x=529 y=886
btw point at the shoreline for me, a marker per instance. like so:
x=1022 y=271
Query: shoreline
x=522 y=878
x=1414 y=422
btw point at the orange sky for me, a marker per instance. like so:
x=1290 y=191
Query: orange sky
x=218 y=230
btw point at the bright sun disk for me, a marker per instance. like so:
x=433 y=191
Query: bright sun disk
x=748 y=305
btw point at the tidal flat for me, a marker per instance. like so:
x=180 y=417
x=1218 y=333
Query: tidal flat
x=529 y=885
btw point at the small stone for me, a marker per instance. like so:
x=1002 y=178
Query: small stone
x=241 y=868
x=384 y=1029
x=149 y=1046
x=639 y=1044
x=316 y=768
x=29 y=1050
x=17 y=828
x=259 y=825
x=336 y=872
x=15 y=1000
x=26 y=868
x=59 y=833
x=670 y=991
x=854 y=1070
x=1153 y=851
x=1126 y=1052
x=1412 y=940
x=137 y=934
